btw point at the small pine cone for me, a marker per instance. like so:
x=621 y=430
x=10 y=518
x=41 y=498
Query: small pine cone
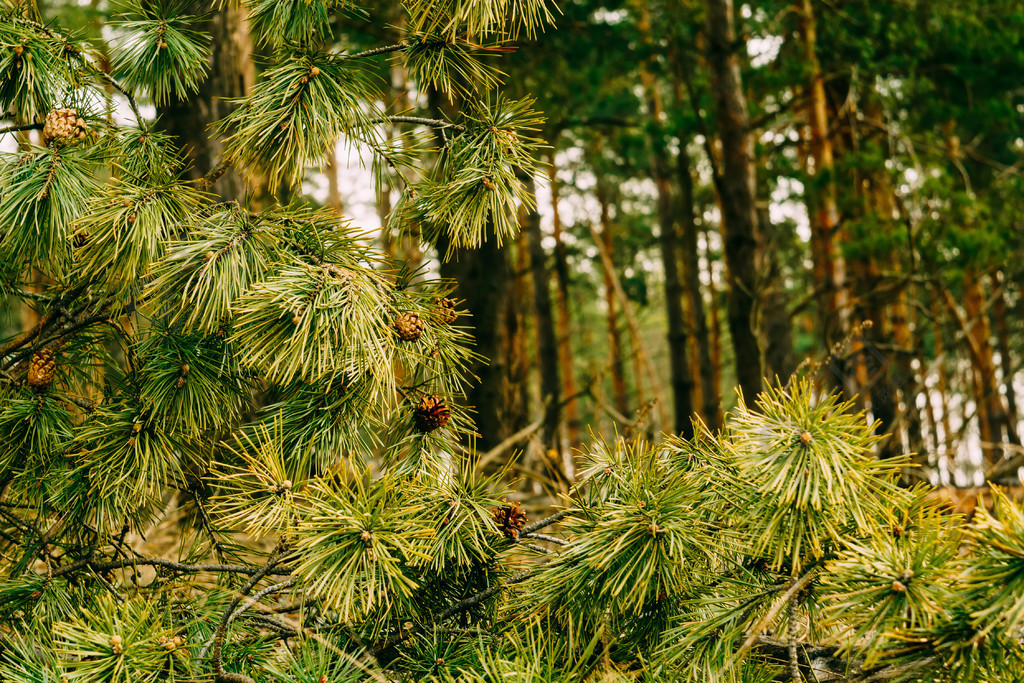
x=431 y=414
x=446 y=312
x=408 y=326
x=510 y=518
x=41 y=369
x=63 y=126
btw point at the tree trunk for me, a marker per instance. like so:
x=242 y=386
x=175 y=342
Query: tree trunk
x=547 y=346
x=737 y=190
x=231 y=75
x=779 y=358
x=986 y=394
x=1002 y=325
x=714 y=419
x=565 y=353
x=678 y=332
x=678 y=337
x=828 y=266
x=604 y=244
x=333 y=191
x=483 y=280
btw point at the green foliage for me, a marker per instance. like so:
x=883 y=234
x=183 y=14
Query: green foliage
x=475 y=187
x=41 y=197
x=303 y=104
x=156 y=50
x=232 y=389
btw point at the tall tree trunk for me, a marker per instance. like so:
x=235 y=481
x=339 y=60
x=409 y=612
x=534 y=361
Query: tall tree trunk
x=942 y=380
x=714 y=419
x=711 y=400
x=483 y=280
x=829 y=268
x=604 y=242
x=231 y=75
x=515 y=405
x=779 y=357
x=678 y=330
x=737 y=192
x=565 y=354
x=1002 y=325
x=678 y=353
x=979 y=335
x=547 y=346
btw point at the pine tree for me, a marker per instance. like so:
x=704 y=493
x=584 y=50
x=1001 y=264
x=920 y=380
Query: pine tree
x=260 y=376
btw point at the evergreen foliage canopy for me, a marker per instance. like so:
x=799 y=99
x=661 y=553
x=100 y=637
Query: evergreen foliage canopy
x=244 y=365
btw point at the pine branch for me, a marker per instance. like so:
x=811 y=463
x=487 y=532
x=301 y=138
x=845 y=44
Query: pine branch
x=455 y=609
x=216 y=661
x=433 y=123
x=547 y=521
x=104 y=76
x=25 y=126
x=179 y=567
x=207 y=181
x=782 y=602
x=377 y=51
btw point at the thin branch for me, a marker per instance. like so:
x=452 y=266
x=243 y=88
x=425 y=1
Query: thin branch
x=795 y=588
x=547 y=521
x=418 y=120
x=376 y=51
x=458 y=607
x=205 y=184
x=277 y=587
x=216 y=661
x=546 y=537
x=24 y=126
x=168 y=564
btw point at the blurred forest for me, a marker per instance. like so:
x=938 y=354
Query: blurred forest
x=732 y=191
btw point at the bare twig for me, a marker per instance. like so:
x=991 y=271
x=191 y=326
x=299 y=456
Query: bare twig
x=794 y=588
x=216 y=660
x=547 y=521
x=168 y=564
x=376 y=51
x=24 y=126
x=794 y=657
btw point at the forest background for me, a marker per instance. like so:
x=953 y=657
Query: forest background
x=730 y=191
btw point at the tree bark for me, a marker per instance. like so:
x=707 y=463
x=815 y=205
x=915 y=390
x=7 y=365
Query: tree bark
x=604 y=244
x=565 y=354
x=1002 y=325
x=231 y=75
x=547 y=345
x=986 y=390
x=483 y=280
x=678 y=332
x=737 y=190
x=829 y=268
x=779 y=358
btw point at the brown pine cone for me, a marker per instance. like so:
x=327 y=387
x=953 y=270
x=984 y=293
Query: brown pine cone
x=62 y=127
x=510 y=518
x=446 y=312
x=408 y=326
x=41 y=369
x=431 y=413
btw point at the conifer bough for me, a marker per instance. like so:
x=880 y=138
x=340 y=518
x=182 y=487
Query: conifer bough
x=258 y=382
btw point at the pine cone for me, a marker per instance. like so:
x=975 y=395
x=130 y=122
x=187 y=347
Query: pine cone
x=431 y=414
x=446 y=312
x=510 y=518
x=408 y=326
x=41 y=369
x=62 y=127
